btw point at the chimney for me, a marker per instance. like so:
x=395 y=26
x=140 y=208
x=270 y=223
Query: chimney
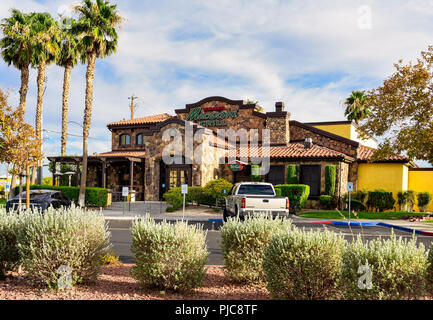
x=279 y=106
x=308 y=143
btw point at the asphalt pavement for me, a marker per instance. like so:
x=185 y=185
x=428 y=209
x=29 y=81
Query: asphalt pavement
x=121 y=236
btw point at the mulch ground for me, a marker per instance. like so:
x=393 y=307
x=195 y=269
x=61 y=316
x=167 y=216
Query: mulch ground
x=115 y=283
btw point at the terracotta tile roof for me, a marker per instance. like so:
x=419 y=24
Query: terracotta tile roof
x=135 y=154
x=294 y=150
x=366 y=153
x=143 y=120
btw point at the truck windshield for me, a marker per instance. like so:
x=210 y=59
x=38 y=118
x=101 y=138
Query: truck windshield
x=259 y=189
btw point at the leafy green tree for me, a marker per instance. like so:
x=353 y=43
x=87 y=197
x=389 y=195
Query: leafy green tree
x=356 y=106
x=258 y=107
x=96 y=29
x=402 y=111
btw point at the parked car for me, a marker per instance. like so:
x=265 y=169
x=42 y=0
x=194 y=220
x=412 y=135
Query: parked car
x=254 y=198
x=40 y=200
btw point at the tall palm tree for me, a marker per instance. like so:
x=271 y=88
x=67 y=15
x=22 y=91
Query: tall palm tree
x=67 y=58
x=45 y=42
x=97 y=31
x=356 y=105
x=16 y=49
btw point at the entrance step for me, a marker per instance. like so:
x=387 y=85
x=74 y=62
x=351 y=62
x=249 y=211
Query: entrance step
x=139 y=206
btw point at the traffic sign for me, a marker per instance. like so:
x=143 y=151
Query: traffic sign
x=350 y=186
x=184 y=189
x=125 y=191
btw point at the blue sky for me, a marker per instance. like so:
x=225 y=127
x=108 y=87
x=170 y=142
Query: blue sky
x=309 y=54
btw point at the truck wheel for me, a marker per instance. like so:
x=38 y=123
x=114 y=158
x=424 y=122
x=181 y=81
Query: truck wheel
x=225 y=215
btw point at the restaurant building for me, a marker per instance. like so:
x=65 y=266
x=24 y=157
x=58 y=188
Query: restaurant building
x=155 y=153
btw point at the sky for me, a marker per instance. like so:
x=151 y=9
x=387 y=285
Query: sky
x=309 y=54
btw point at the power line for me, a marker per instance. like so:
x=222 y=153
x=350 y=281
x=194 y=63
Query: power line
x=70 y=134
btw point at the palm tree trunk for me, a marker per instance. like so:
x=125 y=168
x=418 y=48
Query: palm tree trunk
x=22 y=106
x=39 y=106
x=90 y=75
x=65 y=106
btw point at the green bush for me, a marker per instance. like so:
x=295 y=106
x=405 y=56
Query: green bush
x=406 y=200
x=168 y=256
x=330 y=179
x=278 y=192
x=359 y=195
x=9 y=255
x=424 y=199
x=292 y=174
x=255 y=177
x=326 y=201
x=398 y=269
x=297 y=194
x=380 y=200
x=174 y=197
x=214 y=189
x=304 y=264
x=356 y=205
x=69 y=237
x=94 y=196
x=244 y=243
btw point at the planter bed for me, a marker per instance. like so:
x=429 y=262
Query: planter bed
x=115 y=283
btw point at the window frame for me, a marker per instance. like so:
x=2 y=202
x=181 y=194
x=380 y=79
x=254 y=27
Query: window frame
x=126 y=144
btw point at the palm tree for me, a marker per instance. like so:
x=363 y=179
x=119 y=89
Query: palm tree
x=68 y=58
x=96 y=29
x=356 y=106
x=16 y=49
x=45 y=41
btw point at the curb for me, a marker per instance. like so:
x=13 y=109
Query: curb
x=370 y=224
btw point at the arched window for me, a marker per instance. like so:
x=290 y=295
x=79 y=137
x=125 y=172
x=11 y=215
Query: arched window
x=139 y=139
x=125 y=140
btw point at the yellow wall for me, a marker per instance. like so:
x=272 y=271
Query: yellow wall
x=348 y=131
x=419 y=181
x=387 y=176
x=342 y=130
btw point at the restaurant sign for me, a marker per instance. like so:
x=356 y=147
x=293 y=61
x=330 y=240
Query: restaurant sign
x=211 y=117
x=236 y=165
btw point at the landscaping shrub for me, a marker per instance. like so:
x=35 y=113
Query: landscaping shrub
x=406 y=200
x=244 y=243
x=94 y=196
x=398 y=269
x=174 y=197
x=424 y=199
x=330 y=179
x=9 y=255
x=303 y=264
x=215 y=188
x=69 y=237
x=356 y=205
x=297 y=194
x=359 y=195
x=168 y=256
x=254 y=178
x=380 y=200
x=326 y=201
x=292 y=174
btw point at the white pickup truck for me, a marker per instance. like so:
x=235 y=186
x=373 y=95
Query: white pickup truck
x=254 y=198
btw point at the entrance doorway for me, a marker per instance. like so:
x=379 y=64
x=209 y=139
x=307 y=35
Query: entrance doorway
x=173 y=176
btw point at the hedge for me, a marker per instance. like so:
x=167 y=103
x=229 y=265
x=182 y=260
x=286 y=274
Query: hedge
x=94 y=196
x=292 y=174
x=326 y=201
x=424 y=199
x=297 y=194
x=255 y=178
x=330 y=179
x=380 y=200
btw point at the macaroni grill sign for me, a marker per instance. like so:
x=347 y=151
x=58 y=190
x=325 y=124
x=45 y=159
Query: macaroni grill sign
x=211 y=117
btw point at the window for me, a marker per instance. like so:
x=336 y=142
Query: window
x=125 y=140
x=256 y=189
x=310 y=175
x=140 y=139
x=276 y=175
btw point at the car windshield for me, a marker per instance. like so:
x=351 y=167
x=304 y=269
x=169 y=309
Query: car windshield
x=34 y=195
x=259 y=189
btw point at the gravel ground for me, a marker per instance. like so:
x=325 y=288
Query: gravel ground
x=115 y=283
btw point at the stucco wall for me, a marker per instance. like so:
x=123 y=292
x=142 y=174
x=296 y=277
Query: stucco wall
x=420 y=181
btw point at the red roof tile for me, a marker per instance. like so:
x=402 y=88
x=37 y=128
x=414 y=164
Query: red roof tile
x=143 y=120
x=135 y=154
x=366 y=153
x=293 y=150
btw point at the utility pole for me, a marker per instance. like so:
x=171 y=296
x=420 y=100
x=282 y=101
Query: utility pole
x=132 y=98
